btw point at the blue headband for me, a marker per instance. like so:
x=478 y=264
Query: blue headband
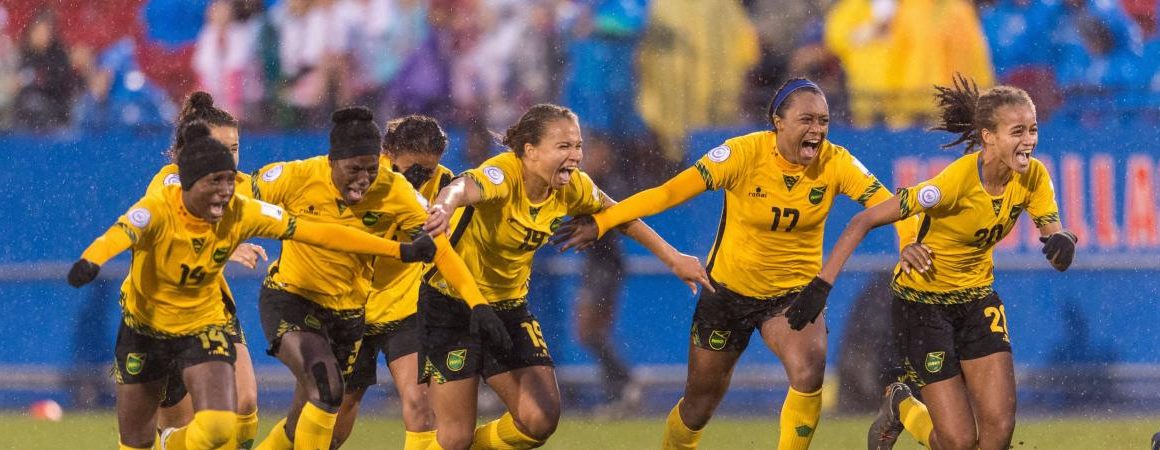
x=784 y=94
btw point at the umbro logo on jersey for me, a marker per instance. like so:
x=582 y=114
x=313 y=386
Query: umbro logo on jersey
x=757 y=193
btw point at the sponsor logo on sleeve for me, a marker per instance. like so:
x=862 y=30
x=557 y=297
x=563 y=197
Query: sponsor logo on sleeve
x=272 y=211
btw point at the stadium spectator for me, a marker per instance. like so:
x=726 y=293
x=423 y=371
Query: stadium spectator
x=116 y=92
x=225 y=56
x=47 y=79
x=859 y=33
x=516 y=199
x=930 y=42
x=950 y=324
x=1021 y=51
x=693 y=59
x=1100 y=47
x=760 y=259
x=779 y=24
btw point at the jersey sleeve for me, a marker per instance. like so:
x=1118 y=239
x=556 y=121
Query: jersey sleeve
x=936 y=195
x=584 y=197
x=494 y=181
x=274 y=182
x=261 y=219
x=1042 y=206
x=164 y=177
x=134 y=229
x=723 y=166
x=856 y=181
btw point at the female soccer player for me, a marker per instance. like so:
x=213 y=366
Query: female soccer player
x=171 y=299
x=950 y=323
x=413 y=146
x=312 y=317
x=512 y=203
x=779 y=187
x=176 y=408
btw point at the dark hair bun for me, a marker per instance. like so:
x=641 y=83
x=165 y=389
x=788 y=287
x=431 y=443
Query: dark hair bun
x=195 y=130
x=201 y=99
x=351 y=114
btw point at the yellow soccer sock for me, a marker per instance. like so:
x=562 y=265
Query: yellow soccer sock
x=247 y=430
x=277 y=439
x=916 y=420
x=418 y=440
x=209 y=430
x=679 y=436
x=434 y=445
x=175 y=440
x=121 y=446
x=799 y=419
x=502 y=434
x=315 y=428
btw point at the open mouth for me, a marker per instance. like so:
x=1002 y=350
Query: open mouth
x=809 y=149
x=217 y=210
x=354 y=194
x=564 y=175
x=1023 y=157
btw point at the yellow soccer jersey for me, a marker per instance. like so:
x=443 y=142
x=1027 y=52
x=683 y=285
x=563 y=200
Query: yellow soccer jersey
x=172 y=288
x=498 y=236
x=961 y=223
x=168 y=176
x=306 y=190
x=769 y=242
x=394 y=287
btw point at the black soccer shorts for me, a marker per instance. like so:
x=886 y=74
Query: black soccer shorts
x=282 y=312
x=142 y=356
x=396 y=340
x=933 y=338
x=449 y=352
x=725 y=320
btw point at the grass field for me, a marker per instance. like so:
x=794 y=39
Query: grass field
x=98 y=431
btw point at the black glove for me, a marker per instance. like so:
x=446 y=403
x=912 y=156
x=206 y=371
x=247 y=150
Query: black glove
x=489 y=328
x=420 y=249
x=579 y=232
x=809 y=303
x=82 y=272
x=1060 y=249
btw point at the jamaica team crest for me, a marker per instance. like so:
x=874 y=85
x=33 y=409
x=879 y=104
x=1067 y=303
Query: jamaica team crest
x=456 y=359
x=817 y=194
x=718 y=339
x=134 y=362
x=934 y=361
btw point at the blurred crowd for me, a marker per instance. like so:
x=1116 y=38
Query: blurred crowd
x=630 y=68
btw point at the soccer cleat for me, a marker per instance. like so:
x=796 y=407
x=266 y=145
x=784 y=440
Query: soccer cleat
x=1156 y=441
x=887 y=426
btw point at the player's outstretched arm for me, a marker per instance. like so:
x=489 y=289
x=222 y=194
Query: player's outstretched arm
x=461 y=192
x=582 y=231
x=484 y=322
x=812 y=300
x=113 y=242
x=651 y=201
x=350 y=240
